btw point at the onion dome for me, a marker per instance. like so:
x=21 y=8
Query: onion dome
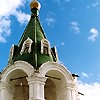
x=35 y=4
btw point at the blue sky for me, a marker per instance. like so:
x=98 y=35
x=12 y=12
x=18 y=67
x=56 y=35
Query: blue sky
x=73 y=26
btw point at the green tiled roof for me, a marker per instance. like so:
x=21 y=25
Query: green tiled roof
x=35 y=32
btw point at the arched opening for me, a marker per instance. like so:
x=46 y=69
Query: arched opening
x=17 y=80
x=50 y=90
x=54 y=84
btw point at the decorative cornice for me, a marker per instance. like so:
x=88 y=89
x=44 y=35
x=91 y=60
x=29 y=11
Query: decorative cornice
x=36 y=78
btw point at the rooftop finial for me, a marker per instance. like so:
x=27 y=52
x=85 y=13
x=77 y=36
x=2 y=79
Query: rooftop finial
x=35 y=4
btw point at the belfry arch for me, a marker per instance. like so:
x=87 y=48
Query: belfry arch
x=14 y=83
x=17 y=80
x=59 y=84
x=50 y=90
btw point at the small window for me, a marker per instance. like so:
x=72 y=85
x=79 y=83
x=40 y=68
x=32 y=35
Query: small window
x=45 y=50
x=26 y=48
x=45 y=46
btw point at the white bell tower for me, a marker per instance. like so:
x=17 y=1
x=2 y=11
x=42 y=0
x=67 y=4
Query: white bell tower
x=33 y=71
x=53 y=82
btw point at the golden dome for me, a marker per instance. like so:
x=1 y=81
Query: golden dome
x=35 y=4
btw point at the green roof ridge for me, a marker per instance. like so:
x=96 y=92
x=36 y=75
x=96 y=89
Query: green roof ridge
x=33 y=31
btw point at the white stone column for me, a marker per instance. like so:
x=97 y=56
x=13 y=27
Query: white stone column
x=74 y=95
x=71 y=90
x=36 y=87
x=68 y=91
x=6 y=91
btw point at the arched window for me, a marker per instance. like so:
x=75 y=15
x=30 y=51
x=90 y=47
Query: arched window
x=45 y=46
x=26 y=48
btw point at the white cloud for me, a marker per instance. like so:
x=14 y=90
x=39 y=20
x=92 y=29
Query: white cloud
x=94 y=34
x=62 y=43
x=84 y=74
x=88 y=7
x=50 y=20
x=75 y=27
x=67 y=0
x=2 y=39
x=90 y=91
x=22 y=17
x=10 y=8
x=95 y=4
x=4 y=28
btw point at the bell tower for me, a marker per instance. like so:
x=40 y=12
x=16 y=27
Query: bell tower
x=33 y=71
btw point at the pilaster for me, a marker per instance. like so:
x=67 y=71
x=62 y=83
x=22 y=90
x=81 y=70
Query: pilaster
x=6 y=91
x=67 y=91
x=36 y=87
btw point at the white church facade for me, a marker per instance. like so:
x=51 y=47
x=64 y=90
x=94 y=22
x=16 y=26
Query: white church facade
x=33 y=71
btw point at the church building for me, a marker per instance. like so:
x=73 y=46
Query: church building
x=33 y=71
